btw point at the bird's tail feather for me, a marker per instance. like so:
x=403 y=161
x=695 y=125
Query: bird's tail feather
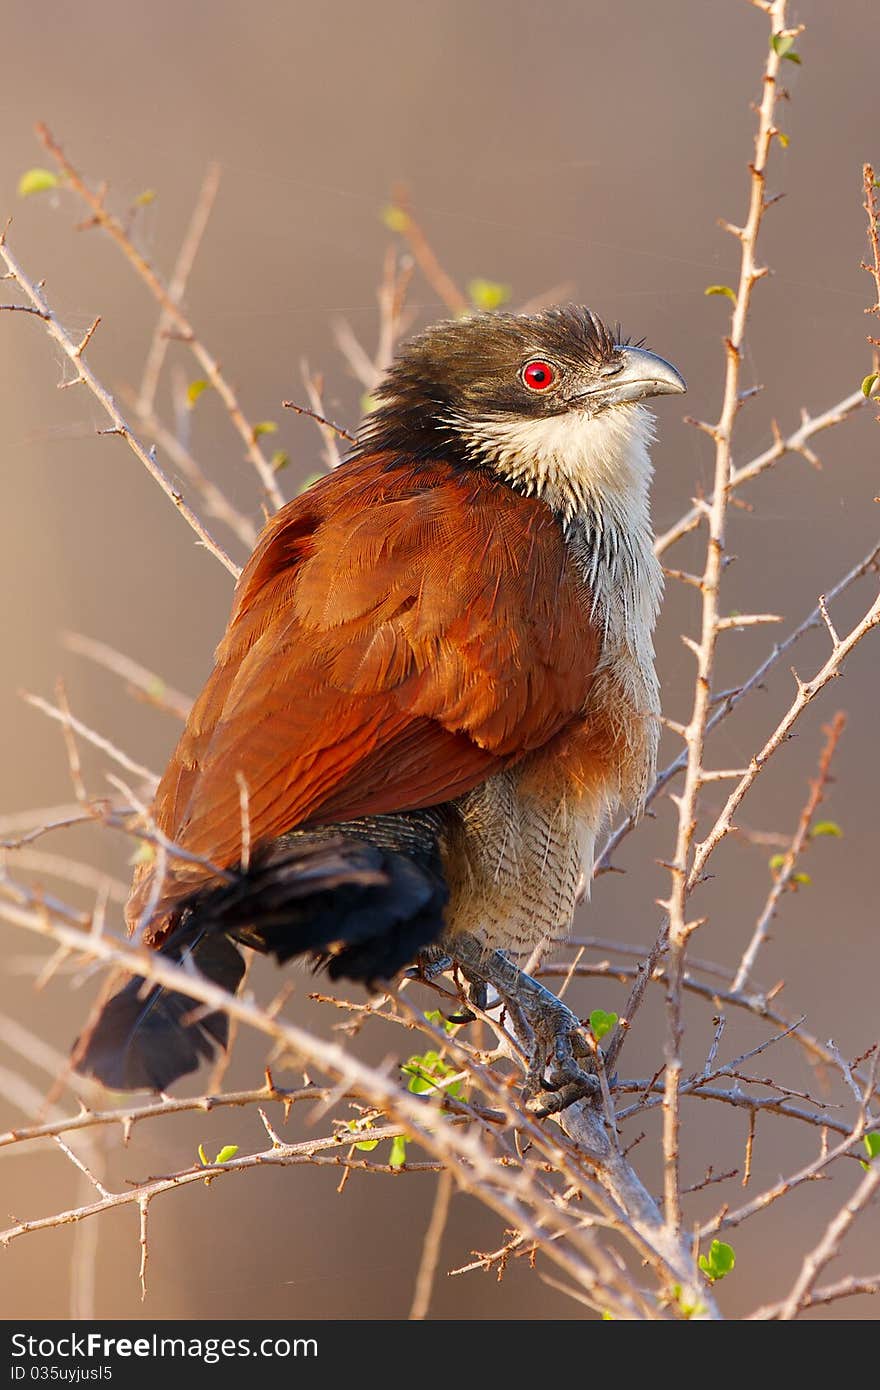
x=362 y=909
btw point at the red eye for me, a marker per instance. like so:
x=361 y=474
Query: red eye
x=538 y=375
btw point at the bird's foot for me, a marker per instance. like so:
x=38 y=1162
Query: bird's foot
x=549 y=1032
x=433 y=961
x=430 y=962
x=555 y=1078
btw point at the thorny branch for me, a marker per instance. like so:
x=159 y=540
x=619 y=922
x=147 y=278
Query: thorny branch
x=687 y=803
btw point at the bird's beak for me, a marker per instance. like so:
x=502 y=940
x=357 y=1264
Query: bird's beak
x=636 y=374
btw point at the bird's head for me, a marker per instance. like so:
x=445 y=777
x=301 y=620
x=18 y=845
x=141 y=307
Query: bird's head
x=523 y=394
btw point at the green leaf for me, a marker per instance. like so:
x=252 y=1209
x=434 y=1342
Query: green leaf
x=872 y=1144
x=37 y=181
x=869 y=383
x=488 y=294
x=203 y=1157
x=397 y=1157
x=226 y=1153
x=783 y=139
x=801 y=878
x=826 y=827
x=423 y=1071
x=264 y=427
x=721 y=289
x=776 y=862
x=607 y=1317
x=427 y=1071
x=435 y=1016
x=395 y=219
x=194 y=390
x=280 y=459
x=601 y=1023
x=720 y=1260
x=144 y=199
x=783 y=44
x=366 y=1144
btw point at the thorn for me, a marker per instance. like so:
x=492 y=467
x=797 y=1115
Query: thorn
x=277 y=1141
x=801 y=685
x=86 y=339
x=749 y=393
x=711 y=430
x=828 y=623
x=693 y=579
x=812 y=459
x=738 y=232
x=746 y=620
x=673 y=726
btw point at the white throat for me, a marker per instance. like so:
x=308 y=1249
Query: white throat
x=595 y=472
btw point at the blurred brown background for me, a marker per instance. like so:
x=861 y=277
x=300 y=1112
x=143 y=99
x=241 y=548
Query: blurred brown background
x=594 y=142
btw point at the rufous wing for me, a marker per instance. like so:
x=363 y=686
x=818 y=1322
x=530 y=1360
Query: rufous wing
x=400 y=633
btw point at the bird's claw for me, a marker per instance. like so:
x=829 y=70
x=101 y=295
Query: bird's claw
x=555 y=1078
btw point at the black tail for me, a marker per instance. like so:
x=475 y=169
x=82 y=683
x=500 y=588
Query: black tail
x=361 y=898
x=146 y=1036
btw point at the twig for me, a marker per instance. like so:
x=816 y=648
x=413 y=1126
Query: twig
x=869 y=183
x=128 y=1116
x=475 y=1168
x=74 y=351
x=213 y=499
x=794 y=443
x=828 y=1293
x=65 y=718
x=687 y=804
x=426 y=257
x=783 y=876
x=209 y=364
x=177 y=288
x=321 y=419
x=731 y=699
x=806 y=692
x=139 y=679
x=431 y=1249
x=830 y=1243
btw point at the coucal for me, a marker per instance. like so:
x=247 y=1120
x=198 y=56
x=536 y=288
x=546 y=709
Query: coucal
x=436 y=683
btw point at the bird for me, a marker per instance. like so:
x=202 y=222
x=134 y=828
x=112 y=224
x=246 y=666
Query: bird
x=436 y=685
